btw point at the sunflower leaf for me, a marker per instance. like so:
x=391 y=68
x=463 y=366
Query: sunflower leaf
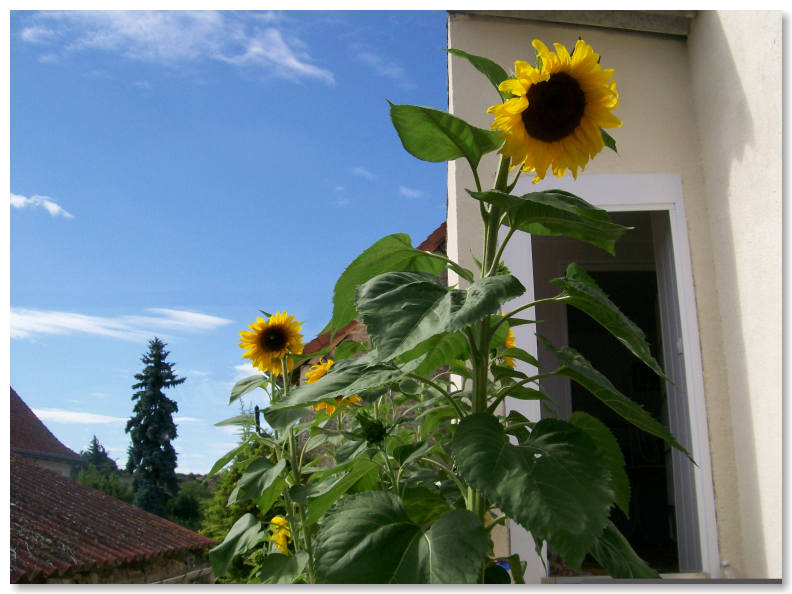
x=246 y=385
x=579 y=370
x=556 y=212
x=393 y=252
x=614 y=553
x=436 y=136
x=245 y=533
x=608 y=140
x=611 y=453
x=555 y=484
x=493 y=71
x=582 y=292
x=370 y=538
x=403 y=309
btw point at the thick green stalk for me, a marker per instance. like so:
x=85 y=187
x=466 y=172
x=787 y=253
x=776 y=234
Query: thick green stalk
x=304 y=528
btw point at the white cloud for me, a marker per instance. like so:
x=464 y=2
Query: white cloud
x=26 y=323
x=186 y=420
x=362 y=172
x=409 y=192
x=244 y=370
x=342 y=202
x=44 y=202
x=177 y=36
x=57 y=415
x=386 y=68
x=339 y=188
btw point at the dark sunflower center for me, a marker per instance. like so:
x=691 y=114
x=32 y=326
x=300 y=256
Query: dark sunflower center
x=273 y=339
x=555 y=108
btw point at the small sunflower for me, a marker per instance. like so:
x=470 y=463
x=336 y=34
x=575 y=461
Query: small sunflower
x=318 y=371
x=554 y=120
x=509 y=344
x=339 y=402
x=270 y=341
x=280 y=533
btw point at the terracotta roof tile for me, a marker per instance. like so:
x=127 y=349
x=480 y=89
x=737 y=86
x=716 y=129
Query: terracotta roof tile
x=28 y=433
x=59 y=525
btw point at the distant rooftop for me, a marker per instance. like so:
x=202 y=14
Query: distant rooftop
x=30 y=436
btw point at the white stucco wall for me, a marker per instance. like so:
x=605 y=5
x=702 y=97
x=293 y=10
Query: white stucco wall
x=735 y=60
x=709 y=111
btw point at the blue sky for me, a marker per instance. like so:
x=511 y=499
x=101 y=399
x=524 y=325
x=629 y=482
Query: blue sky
x=172 y=173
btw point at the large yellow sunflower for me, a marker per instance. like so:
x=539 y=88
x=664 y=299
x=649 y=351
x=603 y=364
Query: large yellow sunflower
x=554 y=120
x=268 y=342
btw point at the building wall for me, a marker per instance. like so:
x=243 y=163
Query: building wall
x=708 y=110
x=735 y=61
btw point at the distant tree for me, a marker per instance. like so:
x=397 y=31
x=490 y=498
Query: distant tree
x=110 y=483
x=188 y=506
x=97 y=455
x=152 y=459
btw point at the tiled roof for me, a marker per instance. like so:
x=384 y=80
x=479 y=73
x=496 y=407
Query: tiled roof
x=58 y=526
x=29 y=434
x=436 y=240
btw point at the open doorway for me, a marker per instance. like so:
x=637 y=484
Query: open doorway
x=662 y=526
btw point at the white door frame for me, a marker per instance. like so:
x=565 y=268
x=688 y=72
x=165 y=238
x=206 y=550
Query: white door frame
x=632 y=192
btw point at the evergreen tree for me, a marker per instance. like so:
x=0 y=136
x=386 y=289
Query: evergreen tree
x=97 y=455
x=152 y=459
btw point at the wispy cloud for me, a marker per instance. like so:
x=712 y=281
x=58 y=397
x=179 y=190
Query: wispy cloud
x=187 y=420
x=174 y=37
x=27 y=323
x=409 y=192
x=57 y=415
x=385 y=67
x=363 y=172
x=244 y=370
x=342 y=202
x=45 y=202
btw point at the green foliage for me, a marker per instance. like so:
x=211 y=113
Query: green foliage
x=152 y=459
x=371 y=539
x=434 y=135
x=188 y=505
x=98 y=457
x=384 y=470
x=106 y=482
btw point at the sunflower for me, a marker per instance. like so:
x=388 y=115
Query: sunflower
x=559 y=107
x=509 y=344
x=280 y=533
x=330 y=408
x=270 y=341
x=318 y=371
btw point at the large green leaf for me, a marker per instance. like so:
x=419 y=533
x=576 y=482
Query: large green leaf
x=578 y=369
x=556 y=484
x=282 y=569
x=493 y=71
x=582 y=292
x=245 y=533
x=403 y=309
x=369 y=538
x=617 y=557
x=326 y=493
x=393 y=252
x=260 y=475
x=611 y=453
x=556 y=212
x=246 y=385
x=440 y=350
x=434 y=135
x=350 y=376
x=226 y=458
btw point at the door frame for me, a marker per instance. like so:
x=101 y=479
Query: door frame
x=633 y=192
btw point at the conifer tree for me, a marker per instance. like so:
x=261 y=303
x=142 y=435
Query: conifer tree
x=152 y=459
x=98 y=456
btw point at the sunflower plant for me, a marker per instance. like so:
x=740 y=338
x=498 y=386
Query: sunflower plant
x=394 y=459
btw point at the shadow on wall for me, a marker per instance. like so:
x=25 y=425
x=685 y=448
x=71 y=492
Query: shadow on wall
x=724 y=134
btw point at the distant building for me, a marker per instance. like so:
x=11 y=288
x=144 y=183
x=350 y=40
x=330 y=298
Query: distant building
x=65 y=532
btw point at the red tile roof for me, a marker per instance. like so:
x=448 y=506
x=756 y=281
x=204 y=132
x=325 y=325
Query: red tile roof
x=30 y=435
x=58 y=526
